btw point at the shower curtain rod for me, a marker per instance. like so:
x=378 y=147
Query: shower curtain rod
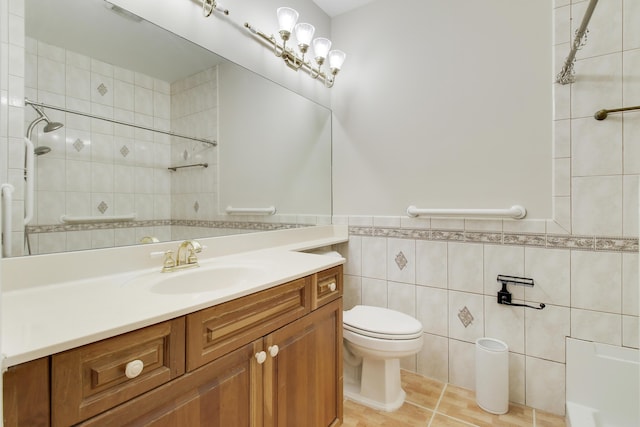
x=602 y=114
x=80 y=113
x=566 y=75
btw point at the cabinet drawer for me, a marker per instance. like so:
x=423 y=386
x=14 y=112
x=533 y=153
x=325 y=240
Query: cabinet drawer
x=217 y=394
x=91 y=379
x=327 y=286
x=215 y=331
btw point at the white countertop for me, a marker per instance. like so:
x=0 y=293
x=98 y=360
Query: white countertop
x=41 y=320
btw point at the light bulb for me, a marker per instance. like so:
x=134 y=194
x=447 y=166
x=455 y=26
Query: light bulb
x=321 y=47
x=336 y=59
x=287 y=18
x=304 y=34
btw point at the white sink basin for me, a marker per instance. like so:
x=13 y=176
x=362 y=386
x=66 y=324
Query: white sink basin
x=207 y=279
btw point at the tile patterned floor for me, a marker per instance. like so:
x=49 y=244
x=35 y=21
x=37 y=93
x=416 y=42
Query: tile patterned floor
x=431 y=403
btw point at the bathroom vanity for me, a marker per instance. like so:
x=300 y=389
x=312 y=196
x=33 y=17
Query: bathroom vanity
x=269 y=358
x=267 y=354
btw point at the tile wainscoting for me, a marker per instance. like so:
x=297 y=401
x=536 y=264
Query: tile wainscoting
x=446 y=278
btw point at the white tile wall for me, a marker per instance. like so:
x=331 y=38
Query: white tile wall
x=465 y=263
x=432 y=309
x=596 y=326
x=431 y=263
x=462 y=364
x=596 y=281
x=630 y=281
x=193 y=102
x=120 y=165
x=374 y=292
x=545 y=385
x=597 y=205
x=517 y=378
x=552 y=272
x=586 y=293
x=545 y=332
x=505 y=323
x=433 y=359
x=374 y=257
x=506 y=260
x=474 y=303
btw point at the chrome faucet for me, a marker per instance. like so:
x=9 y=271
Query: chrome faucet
x=185 y=257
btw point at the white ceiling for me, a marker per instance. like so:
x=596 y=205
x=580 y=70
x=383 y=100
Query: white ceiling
x=338 y=7
x=91 y=28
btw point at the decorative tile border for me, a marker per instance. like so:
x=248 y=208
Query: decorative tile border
x=483 y=237
x=616 y=245
x=551 y=241
x=571 y=242
x=452 y=236
x=236 y=225
x=524 y=239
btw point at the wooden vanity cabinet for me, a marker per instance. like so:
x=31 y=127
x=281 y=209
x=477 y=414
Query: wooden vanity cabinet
x=301 y=385
x=273 y=358
x=303 y=382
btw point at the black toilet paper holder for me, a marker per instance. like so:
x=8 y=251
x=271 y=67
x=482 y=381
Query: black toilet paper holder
x=504 y=296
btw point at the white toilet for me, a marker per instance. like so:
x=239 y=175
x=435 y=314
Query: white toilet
x=375 y=339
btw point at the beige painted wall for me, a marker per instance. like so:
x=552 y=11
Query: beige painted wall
x=443 y=105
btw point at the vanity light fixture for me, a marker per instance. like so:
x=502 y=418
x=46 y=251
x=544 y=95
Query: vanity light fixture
x=287 y=24
x=208 y=6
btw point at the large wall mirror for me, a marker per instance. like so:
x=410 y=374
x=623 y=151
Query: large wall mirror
x=102 y=183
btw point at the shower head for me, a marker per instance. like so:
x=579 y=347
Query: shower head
x=49 y=127
x=39 y=151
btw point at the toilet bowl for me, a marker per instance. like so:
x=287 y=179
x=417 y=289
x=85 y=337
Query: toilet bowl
x=374 y=340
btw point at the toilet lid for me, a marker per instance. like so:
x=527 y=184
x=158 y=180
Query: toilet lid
x=381 y=323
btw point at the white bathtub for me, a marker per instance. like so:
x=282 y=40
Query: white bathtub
x=602 y=385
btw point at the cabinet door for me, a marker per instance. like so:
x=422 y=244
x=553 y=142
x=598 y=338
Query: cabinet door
x=224 y=393
x=303 y=382
x=26 y=394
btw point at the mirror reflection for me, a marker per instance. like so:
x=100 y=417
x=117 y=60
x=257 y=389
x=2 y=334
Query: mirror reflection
x=140 y=136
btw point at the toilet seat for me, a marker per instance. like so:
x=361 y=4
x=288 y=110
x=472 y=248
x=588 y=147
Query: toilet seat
x=381 y=323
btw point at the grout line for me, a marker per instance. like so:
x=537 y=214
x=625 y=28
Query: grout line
x=444 y=389
x=458 y=420
x=435 y=408
x=433 y=416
